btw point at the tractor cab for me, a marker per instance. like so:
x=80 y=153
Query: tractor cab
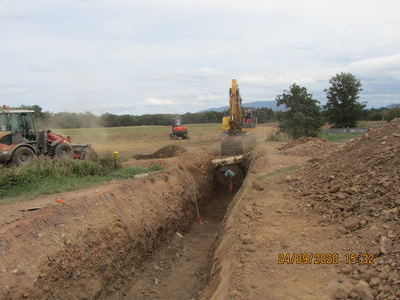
x=17 y=126
x=250 y=119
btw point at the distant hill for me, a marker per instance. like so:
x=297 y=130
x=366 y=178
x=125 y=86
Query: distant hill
x=256 y=104
x=392 y=105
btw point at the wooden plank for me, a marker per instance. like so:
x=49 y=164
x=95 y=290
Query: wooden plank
x=231 y=160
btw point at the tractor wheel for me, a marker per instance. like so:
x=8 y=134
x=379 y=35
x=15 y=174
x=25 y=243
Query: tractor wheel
x=22 y=156
x=89 y=154
x=63 y=151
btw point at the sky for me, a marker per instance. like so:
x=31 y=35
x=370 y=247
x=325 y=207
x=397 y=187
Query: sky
x=177 y=56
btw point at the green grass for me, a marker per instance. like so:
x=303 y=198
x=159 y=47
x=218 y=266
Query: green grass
x=338 y=137
x=45 y=177
x=134 y=129
x=281 y=171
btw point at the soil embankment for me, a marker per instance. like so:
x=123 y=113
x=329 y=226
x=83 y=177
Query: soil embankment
x=359 y=187
x=309 y=146
x=91 y=244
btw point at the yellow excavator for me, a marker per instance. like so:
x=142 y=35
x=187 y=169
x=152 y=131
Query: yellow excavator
x=239 y=126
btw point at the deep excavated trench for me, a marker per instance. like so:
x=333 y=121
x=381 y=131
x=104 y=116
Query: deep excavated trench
x=180 y=267
x=133 y=239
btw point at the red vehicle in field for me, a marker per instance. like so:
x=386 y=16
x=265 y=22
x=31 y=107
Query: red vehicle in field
x=179 y=131
x=21 y=141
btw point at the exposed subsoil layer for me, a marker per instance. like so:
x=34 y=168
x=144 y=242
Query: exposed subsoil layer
x=179 y=269
x=167 y=151
x=92 y=244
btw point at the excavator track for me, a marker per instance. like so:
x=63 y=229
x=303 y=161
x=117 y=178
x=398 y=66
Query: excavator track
x=231 y=145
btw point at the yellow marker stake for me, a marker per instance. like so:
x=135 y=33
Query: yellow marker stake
x=116 y=157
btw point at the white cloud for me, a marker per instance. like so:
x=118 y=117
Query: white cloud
x=177 y=56
x=379 y=66
x=156 y=102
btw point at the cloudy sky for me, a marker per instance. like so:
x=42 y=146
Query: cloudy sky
x=174 y=56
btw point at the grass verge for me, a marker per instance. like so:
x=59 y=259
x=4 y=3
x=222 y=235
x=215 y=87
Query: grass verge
x=338 y=137
x=44 y=177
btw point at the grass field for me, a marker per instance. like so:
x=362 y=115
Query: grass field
x=141 y=139
x=44 y=177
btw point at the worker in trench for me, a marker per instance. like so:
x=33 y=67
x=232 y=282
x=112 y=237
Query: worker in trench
x=229 y=174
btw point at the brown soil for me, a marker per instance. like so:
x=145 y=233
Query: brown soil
x=167 y=151
x=180 y=268
x=261 y=223
x=165 y=163
x=90 y=245
x=120 y=240
x=359 y=187
x=309 y=146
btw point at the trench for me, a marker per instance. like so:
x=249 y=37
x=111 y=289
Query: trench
x=180 y=267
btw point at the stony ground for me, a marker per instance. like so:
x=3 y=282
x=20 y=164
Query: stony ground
x=359 y=188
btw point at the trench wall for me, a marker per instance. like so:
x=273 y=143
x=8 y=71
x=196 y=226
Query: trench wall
x=219 y=282
x=94 y=243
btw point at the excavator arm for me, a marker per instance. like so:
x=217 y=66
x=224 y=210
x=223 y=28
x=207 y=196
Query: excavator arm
x=232 y=124
x=234 y=132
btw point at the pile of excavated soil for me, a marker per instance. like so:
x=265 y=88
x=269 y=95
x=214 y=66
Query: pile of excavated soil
x=164 y=152
x=359 y=188
x=91 y=244
x=309 y=146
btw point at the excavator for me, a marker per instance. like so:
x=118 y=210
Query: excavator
x=239 y=126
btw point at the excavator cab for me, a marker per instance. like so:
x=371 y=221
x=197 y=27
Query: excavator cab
x=236 y=136
x=250 y=119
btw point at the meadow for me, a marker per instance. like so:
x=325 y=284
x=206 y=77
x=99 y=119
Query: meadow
x=142 y=139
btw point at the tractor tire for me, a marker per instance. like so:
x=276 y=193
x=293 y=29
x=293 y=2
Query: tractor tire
x=63 y=151
x=89 y=154
x=22 y=156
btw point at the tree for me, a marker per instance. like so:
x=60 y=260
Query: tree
x=303 y=116
x=343 y=108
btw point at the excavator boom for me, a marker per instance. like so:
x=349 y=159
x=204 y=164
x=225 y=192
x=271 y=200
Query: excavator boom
x=232 y=125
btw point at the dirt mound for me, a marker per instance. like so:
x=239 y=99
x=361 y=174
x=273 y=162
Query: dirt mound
x=359 y=187
x=164 y=152
x=309 y=146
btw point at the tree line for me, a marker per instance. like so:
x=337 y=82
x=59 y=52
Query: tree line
x=303 y=114
x=88 y=119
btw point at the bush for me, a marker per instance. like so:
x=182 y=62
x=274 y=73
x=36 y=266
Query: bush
x=278 y=136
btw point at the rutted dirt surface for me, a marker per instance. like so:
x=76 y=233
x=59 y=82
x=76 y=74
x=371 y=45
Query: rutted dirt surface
x=309 y=146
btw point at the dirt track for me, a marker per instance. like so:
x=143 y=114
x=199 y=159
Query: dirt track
x=119 y=241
